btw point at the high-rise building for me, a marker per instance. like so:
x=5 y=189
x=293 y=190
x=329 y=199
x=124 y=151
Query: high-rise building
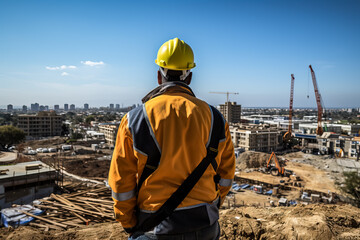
x=9 y=107
x=72 y=107
x=231 y=112
x=86 y=106
x=24 y=108
x=35 y=107
x=42 y=108
x=56 y=107
x=46 y=108
x=117 y=106
x=44 y=124
x=66 y=107
x=111 y=106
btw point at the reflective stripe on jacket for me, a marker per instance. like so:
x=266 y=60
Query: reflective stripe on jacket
x=180 y=125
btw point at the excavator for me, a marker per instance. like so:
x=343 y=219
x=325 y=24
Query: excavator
x=339 y=154
x=276 y=169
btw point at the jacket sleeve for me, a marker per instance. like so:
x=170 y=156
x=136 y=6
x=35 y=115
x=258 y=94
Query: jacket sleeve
x=226 y=168
x=122 y=177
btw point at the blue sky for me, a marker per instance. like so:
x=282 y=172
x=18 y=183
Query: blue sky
x=101 y=52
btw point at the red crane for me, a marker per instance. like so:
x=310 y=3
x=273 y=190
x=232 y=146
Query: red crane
x=287 y=135
x=319 y=130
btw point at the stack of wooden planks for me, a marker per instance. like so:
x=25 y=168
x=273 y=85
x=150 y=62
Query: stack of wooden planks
x=74 y=209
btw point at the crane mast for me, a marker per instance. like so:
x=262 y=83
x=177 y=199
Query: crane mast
x=291 y=102
x=319 y=130
x=287 y=135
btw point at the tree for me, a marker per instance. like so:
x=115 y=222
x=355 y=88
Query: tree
x=10 y=135
x=64 y=129
x=352 y=185
x=89 y=119
x=76 y=135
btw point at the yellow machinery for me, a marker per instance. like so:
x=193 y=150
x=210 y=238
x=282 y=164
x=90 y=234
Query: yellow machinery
x=277 y=169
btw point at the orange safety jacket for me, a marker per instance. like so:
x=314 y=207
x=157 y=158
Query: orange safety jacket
x=180 y=125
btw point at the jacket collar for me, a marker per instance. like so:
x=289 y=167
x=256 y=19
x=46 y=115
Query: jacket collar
x=166 y=87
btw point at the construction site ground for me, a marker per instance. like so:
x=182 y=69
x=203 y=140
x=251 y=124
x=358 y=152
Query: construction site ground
x=245 y=215
x=300 y=222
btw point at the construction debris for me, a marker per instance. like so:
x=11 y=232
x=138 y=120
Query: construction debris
x=73 y=209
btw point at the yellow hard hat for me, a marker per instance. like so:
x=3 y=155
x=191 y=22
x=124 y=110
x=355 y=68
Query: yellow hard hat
x=175 y=54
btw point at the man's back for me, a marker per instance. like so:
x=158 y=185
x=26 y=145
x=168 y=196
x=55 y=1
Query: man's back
x=181 y=124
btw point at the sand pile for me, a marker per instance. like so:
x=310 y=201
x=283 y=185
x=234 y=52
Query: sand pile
x=252 y=159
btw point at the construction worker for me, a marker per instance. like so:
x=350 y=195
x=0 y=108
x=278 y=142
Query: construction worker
x=163 y=144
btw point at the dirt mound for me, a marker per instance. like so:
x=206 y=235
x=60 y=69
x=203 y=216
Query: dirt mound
x=88 y=168
x=43 y=143
x=252 y=159
x=300 y=222
x=295 y=155
x=320 y=222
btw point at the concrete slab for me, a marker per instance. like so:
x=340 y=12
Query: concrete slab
x=20 y=169
x=357 y=164
x=348 y=163
x=8 y=156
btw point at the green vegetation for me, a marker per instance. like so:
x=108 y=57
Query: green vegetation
x=76 y=135
x=8 y=119
x=89 y=119
x=10 y=135
x=352 y=185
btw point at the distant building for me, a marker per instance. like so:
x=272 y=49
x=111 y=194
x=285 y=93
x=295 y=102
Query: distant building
x=10 y=108
x=86 y=106
x=256 y=138
x=56 y=107
x=231 y=112
x=34 y=107
x=66 y=107
x=72 y=107
x=110 y=132
x=117 y=106
x=42 y=108
x=46 y=108
x=111 y=106
x=44 y=124
x=24 y=108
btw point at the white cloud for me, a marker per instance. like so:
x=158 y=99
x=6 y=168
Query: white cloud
x=64 y=74
x=91 y=64
x=62 y=67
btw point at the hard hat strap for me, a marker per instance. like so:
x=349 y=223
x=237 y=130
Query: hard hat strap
x=185 y=73
x=163 y=72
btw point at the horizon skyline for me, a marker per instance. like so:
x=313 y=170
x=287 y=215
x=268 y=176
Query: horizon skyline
x=61 y=106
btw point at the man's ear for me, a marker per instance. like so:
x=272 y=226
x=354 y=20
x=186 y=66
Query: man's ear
x=159 y=78
x=188 y=79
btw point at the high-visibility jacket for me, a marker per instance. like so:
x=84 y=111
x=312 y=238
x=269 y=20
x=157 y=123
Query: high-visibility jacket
x=180 y=125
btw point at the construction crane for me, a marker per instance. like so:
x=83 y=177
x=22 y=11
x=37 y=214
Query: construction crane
x=319 y=130
x=227 y=94
x=287 y=135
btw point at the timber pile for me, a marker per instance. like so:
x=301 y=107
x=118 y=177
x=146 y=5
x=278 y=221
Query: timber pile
x=74 y=209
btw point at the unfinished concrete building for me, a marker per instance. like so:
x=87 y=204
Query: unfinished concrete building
x=256 y=138
x=231 y=112
x=110 y=132
x=44 y=124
